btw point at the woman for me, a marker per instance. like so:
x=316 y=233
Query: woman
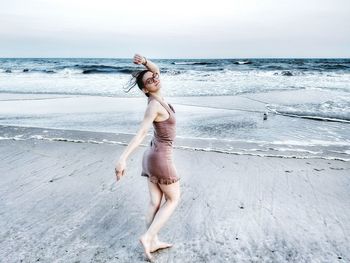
x=157 y=163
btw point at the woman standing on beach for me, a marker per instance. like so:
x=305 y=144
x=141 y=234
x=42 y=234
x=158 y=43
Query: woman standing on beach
x=157 y=163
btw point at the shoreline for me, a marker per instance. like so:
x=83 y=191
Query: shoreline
x=183 y=143
x=60 y=202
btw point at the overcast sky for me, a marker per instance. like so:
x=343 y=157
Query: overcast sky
x=175 y=29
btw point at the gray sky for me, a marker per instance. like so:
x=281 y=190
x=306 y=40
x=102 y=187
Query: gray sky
x=175 y=29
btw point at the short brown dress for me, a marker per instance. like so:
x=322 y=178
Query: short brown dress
x=157 y=162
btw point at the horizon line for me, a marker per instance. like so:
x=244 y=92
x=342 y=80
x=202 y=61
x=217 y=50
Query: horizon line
x=176 y=58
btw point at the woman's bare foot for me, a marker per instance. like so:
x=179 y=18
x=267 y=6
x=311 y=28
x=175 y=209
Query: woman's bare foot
x=146 y=242
x=156 y=245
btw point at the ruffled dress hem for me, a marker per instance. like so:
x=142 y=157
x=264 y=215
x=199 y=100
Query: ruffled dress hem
x=161 y=180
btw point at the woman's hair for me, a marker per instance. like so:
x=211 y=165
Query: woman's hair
x=136 y=79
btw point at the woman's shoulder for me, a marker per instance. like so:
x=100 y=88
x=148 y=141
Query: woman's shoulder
x=153 y=103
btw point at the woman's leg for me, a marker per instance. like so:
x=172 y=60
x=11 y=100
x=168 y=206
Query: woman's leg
x=156 y=195
x=172 y=197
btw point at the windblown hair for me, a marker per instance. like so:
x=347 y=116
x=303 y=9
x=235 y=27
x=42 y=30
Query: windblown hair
x=136 y=80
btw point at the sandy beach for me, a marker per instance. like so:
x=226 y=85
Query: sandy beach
x=60 y=203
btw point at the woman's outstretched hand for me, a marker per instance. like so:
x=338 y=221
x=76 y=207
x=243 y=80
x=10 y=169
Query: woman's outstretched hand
x=120 y=169
x=138 y=59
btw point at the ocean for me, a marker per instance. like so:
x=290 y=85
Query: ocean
x=220 y=103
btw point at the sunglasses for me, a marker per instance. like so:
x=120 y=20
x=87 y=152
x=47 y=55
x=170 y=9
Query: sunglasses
x=153 y=79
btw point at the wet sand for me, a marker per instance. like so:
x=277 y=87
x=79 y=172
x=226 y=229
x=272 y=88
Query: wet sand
x=60 y=203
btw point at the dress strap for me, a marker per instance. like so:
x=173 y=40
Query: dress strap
x=164 y=104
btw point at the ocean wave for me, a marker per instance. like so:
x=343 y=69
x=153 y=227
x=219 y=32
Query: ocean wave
x=192 y=63
x=42 y=70
x=242 y=62
x=271 y=67
x=337 y=111
x=284 y=73
x=87 y=69
x=296 y=72
x=329 y=66
x=88 y=66
x=308 y=143
x=76 y=69
x=105 y=69
x=69 y=71
x=172 y=71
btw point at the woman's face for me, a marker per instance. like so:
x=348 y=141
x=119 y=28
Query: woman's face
x=151 y=81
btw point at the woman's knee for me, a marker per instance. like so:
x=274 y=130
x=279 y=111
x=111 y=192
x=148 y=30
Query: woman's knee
x=173 y=198
x=154 y=204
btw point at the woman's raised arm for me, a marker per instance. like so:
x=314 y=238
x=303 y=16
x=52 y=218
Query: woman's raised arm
x=138 y=59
